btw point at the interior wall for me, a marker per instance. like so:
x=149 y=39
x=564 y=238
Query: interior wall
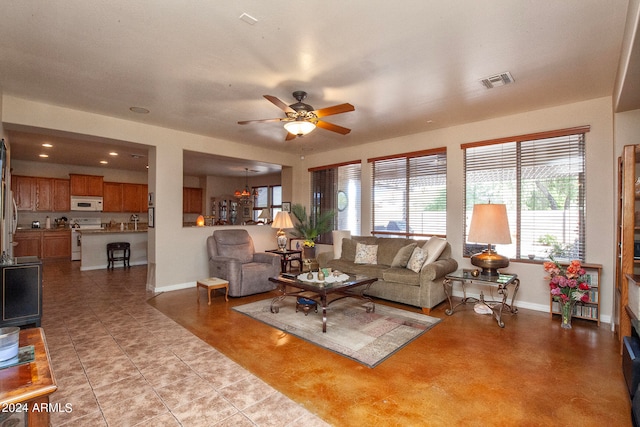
x=171 y=252
x=600 y=233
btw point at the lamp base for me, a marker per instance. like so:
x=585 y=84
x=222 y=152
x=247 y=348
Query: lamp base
x=281 y=238
x=489 y=261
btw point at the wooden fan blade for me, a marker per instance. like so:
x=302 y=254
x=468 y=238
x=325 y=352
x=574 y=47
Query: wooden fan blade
x=336 y=109
x=278 y=103
x=244 y=122
x=290 y=136
x=332 y=127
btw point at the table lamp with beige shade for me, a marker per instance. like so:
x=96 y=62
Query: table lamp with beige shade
x=490 y=225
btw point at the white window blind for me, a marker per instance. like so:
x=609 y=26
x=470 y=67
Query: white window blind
x=541 y=179
x=409 y=194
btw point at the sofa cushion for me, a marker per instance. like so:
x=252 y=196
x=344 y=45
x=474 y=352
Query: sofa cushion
x=418 y=256
x=403 y=255
x=388 y=247
x=366 y=254
x=401 y=275
x=434 y=246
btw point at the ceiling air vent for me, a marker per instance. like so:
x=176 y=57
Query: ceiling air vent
x=497 y=80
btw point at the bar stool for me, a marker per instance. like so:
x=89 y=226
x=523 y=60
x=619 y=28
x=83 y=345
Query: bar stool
x=125 y=247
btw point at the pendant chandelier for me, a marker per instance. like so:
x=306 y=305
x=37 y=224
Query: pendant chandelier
x=245 y=196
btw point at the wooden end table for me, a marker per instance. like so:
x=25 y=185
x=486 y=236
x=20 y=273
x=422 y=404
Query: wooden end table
x=211 y=284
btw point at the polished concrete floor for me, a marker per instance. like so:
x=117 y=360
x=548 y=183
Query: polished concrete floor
x=464 y=371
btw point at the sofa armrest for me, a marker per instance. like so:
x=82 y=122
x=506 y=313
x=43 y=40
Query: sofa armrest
x=323 y=258
x=438 y=269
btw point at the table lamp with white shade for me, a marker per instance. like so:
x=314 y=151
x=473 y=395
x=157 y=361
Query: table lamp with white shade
x=282 y=221
x=490 y=225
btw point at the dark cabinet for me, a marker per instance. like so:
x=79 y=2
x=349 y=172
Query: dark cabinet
x=21 y=292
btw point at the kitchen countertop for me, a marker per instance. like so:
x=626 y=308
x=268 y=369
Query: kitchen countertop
x=110 y=231
x=43 y=229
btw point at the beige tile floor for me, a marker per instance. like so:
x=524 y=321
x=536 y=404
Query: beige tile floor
x=120 y=362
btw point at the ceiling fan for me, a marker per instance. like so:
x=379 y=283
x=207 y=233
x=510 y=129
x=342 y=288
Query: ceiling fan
x=303 y=118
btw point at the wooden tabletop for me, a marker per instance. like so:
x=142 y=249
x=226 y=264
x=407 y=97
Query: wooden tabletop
x=30 y=380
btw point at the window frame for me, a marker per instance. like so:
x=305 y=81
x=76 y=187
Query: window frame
x=320 y=202
x=408 y=157
x=519 y=180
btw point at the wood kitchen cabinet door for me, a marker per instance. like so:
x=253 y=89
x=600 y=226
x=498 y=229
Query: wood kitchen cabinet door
x=131 y=197
x=191 y=200
x=44 y=194
x=61 y=195
x=24 y=193
x=112 y=200
x=56 y=244
x=86 y=185
x=28 y=243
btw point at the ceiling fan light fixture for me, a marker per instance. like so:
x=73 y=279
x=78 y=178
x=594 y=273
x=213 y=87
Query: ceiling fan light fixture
x=299 y=127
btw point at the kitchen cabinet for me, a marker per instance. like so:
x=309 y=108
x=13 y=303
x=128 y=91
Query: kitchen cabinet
x=56 y=244
x=23 y=188
x=192 y=200
x=27 y=243
x=21 y=292
x=45 y=244
x=40 y=194
x=112 y=199
x=134 y=198
x=124 y=197
x=86 y=185
x=61 y=195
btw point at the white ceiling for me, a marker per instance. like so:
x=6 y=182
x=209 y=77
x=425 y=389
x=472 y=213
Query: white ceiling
x=407 y=67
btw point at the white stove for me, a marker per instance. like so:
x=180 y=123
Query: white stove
x=76 y=238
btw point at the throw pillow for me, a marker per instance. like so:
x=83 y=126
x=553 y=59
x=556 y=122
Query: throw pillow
x=366 y=254
x=417 y=259
x=435 y=246
x=404 y=254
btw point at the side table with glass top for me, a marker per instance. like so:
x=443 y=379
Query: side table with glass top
x=469 y=277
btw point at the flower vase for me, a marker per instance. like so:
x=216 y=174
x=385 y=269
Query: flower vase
x=566 y=311
x=309 y=253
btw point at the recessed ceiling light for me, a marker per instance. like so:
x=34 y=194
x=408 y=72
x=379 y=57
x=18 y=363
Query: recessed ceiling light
x=44 y=155
x=139 y=110
x=103 y=162
x=113 y=153
x=47 y=145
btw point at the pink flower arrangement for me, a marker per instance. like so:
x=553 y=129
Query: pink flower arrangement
x=567 y=285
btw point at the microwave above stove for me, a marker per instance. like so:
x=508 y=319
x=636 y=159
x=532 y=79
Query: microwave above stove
x=86 y=203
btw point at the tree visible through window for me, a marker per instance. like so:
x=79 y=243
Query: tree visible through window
x=541 y=179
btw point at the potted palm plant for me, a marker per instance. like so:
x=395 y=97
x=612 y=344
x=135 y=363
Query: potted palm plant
x=309 y=228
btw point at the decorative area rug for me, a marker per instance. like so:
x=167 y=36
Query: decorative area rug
x=368 y=338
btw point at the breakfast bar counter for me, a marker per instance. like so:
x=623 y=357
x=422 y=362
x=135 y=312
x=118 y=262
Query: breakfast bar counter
x=94 y=247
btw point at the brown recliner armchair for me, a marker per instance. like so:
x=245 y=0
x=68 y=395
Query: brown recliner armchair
x=232 y=257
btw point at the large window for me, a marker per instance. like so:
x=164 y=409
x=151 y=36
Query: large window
x=410 y=194
x=540 y=177
x=337 y=188
x=269 y=198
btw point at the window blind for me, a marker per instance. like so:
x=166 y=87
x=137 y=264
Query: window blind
x=409 y=194
x=542 y=183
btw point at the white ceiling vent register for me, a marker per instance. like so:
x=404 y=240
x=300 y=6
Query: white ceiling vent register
x=497 y=80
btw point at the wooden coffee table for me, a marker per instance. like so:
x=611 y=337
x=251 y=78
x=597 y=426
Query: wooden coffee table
x=211 y=284
x=324 y=293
